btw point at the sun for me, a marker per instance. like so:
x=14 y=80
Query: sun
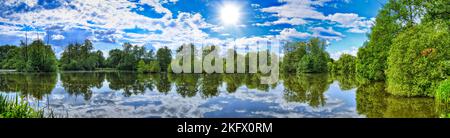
x=230 y=14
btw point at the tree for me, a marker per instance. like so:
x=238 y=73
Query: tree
x=114 y=58
x=294 y=52
x=418 y=60
x=7 y=55
x=394 y=17
x=164 y=58
x=36 y=57
x=345 y=65
x=81 y=57
x=316 y=58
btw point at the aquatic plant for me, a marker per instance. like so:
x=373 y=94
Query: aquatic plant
x=13 y=108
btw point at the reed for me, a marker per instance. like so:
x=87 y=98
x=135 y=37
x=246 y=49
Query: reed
x=14 y=108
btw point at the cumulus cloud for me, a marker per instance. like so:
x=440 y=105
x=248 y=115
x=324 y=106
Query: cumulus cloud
x=297 y=12
x=327 y=34
x=289 y=33
x=106 y=21
x=336 y=55
x=353 y=21
x=57 y=37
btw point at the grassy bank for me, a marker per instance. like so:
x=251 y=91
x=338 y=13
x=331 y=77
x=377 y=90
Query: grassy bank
x=13 y=108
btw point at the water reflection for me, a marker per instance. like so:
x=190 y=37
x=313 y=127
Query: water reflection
x=306 y=88
x=35 y=85
x=126 y=94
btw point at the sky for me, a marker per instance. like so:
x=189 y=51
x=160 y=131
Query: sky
x=344 y=24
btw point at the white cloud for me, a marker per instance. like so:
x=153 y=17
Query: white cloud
x=331 y=34
x=106 y=20
x=336 y=55
x=289 y=33
x=297 y=9
x=58 y=37
x=29 y=3
x=353 y=21
x=291 y=21
x=255 y=5
x=297 y=12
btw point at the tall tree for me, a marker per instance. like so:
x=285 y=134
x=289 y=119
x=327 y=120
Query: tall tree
x=164 y=58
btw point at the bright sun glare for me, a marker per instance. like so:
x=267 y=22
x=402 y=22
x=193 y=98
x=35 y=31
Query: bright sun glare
x=230 y=14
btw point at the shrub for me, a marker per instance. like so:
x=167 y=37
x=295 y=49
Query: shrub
x=417 y=60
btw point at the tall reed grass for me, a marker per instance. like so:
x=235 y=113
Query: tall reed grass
x=14 y=108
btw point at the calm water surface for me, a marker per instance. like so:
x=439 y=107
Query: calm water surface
x=120 y=94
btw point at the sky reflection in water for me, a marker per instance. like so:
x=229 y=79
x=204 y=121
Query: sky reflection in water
x=116 y=94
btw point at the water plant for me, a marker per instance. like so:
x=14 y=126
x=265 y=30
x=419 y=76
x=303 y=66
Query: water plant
x=15 y=108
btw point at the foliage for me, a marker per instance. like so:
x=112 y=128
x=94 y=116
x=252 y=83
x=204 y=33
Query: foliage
x=443 y=92
x=345 y=65
x=371 y=61
x=164 y=58
x=13 y=108
x=129 y=57
x=294 y=52
x=316 y=58
x=80 y=57
x=416 y=60
x=36 y=57
x=151 y=67
x=7 y=56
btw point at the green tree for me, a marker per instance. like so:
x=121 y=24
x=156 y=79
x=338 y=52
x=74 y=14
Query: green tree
x=345 y=65
x=418 y=60
x=316 y=58
x=36 y=57
x=81 y=57
x=394 y=17
x=7 y=56
x=114 y=58
x=164 y=58
x=294 y=52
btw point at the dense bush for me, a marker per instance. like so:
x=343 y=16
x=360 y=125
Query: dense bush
x=151 y=67
x=417 y=60
x=345 y=65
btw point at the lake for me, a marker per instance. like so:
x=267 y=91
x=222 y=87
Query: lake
x=131 y=95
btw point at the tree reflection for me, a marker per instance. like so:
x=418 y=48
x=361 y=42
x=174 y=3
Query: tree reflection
x=186 y=84
x=233 y=81
x=163 y=85
x=36 y=85
x=209 y=85
x=128 y=82
x=346 y=82
x=82 y=83
x=306 y=88
x=373 y=101
x=370 y=100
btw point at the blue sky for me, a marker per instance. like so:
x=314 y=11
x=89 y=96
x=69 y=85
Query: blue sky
x=344 y=24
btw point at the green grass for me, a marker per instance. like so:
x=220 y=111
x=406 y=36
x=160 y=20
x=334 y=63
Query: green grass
x=13 y=108
x=443 y=92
